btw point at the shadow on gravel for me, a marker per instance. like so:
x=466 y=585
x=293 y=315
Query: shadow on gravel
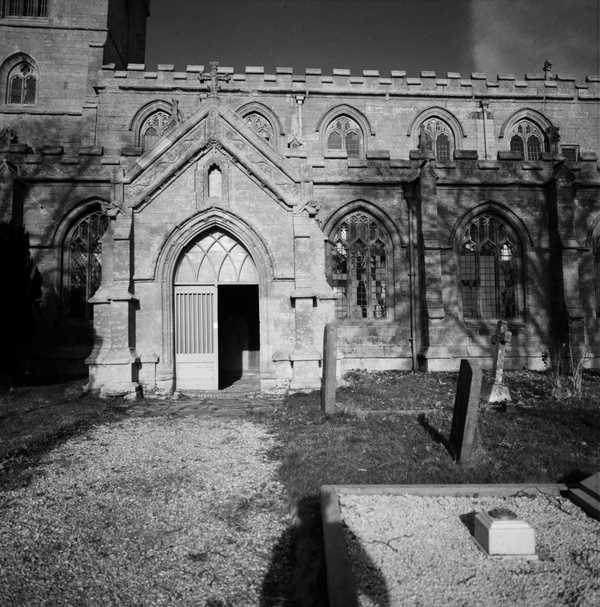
x=296 y=575
x=35 y=421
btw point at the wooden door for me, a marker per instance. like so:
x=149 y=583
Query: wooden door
x=196 y=337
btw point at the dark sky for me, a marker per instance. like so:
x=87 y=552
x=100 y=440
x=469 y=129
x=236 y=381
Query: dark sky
x=443 y=35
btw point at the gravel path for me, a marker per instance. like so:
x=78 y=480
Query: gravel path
x=180 y=511
x=409 y=550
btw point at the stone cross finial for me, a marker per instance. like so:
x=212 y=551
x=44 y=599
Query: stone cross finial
x=500 y=392
x=547 y=69
x=214 y=78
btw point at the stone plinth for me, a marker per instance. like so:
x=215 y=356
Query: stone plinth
x=500 y=537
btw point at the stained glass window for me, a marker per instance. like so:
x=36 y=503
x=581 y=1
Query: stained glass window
x=153 y=128
x=528 y=140
x=261 y=125
x=83 y=261
x=489 y=274
x=436 y=136
x=22 y=81
x=344 y=134
x=359 y=265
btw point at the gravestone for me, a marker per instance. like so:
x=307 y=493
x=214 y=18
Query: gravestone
x=500 y=392
x=466 y=409
x=328 y=381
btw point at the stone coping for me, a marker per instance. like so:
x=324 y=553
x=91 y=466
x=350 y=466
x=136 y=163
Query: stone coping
x=340 y=584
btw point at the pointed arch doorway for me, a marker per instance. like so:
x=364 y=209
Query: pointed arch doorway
x=217 y=342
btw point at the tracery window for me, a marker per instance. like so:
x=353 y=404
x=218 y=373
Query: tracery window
x=528 y=140
x=489 y=270
x=21 y=84
x=153 y=128
x=359 y=264
x=25 y=8
x=83 y=263
x=343 y=134
x=436 y=137
x=261 y=125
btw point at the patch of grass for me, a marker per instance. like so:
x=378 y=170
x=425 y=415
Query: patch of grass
x=536 y=440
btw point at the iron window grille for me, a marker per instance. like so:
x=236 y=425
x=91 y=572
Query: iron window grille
x=25 y=8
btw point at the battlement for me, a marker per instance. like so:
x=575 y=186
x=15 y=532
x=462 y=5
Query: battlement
x=369 y=82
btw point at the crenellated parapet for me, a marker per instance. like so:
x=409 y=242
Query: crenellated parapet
x=343 y=82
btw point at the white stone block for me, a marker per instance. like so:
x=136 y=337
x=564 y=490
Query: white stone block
x=502 y=537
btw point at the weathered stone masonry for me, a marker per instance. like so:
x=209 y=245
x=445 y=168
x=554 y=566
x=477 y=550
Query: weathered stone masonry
x=416 y=211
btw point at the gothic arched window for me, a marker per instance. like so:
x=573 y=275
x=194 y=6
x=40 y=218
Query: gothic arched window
x=21 y=83
x=527 y=139
x=153 y=128
x=260 y=125
x=360 y=265
x=82 y=258
x=343 y=134
x=435 y=136
x=490 y=269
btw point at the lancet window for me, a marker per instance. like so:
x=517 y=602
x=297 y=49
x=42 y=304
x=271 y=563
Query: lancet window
x=83 y=263
x=528 y=140
x=22 y=83
x=260 y=125
x=360 y=263
x=153 y=128
x=489 y=270
x=344 y=135
x=436 y=137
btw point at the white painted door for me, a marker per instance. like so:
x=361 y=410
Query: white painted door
x=196 y=337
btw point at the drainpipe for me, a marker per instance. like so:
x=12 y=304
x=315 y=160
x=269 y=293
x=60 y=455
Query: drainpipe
x=483 y=105
x=411 y=287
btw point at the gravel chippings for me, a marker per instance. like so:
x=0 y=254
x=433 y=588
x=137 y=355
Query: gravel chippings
x=145 y=512
x=410 y=550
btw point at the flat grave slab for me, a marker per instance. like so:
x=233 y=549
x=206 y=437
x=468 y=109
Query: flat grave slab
x=397 y=545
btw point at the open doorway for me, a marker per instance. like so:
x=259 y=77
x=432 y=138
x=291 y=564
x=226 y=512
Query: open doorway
x=239 y=336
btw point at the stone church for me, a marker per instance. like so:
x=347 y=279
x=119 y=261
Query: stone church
x=195 y=228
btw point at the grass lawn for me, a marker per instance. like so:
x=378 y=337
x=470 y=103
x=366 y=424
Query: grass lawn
x=391 y=428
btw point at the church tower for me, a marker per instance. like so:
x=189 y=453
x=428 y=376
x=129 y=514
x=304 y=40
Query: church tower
x=51 y=52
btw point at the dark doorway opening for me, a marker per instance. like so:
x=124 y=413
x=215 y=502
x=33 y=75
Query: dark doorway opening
x=239 y=337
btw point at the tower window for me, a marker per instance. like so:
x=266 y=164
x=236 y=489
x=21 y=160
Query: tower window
x=359 y=263
x=489 y=270
x=22 y=84
x=25 y=8
x=343 y=134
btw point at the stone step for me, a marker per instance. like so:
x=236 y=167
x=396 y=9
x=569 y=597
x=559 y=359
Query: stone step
x=589 y=503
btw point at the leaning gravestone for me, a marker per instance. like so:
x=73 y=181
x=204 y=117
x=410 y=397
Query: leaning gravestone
x=466 y=409
x=328 y=381
x=500 y=392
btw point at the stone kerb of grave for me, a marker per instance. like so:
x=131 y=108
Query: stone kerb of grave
x=466 y=409
x=500 y=392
